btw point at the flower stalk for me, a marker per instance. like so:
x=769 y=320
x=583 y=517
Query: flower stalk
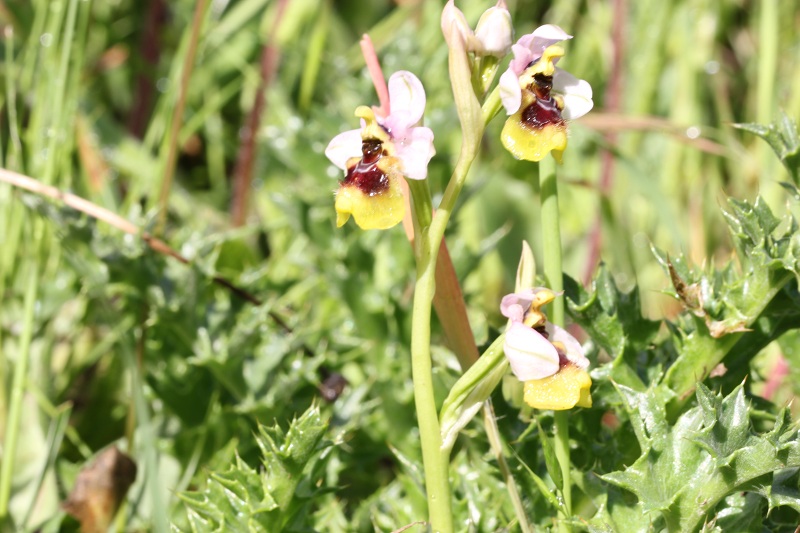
x=551 y=245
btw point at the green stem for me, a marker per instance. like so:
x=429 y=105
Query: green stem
x=768 y=42
x=429 y=239
x=551 y=236
x=768 y=29
x=437 y=482
x=553 y=273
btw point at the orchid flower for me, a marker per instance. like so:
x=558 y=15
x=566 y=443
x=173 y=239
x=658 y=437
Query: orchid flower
x=548 y=359
x=539 y=97
x=492 y=35
x=376 y=156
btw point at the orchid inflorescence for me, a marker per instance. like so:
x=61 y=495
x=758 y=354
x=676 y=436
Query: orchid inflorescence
x=539 y=99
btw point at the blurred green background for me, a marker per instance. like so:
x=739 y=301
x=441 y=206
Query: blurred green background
x=120 y=344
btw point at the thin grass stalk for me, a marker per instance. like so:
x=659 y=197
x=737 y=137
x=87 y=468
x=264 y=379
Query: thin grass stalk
x=55 y=138
x=14 y=157
x=55 y=436
x=177 y=116
x=148 y=446
x=22 y=362
x=496 y=443
x=612 y=104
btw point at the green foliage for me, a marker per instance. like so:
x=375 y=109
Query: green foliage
x=783 y=138
x=688 y=468
x=274 y=498
x=137 y=349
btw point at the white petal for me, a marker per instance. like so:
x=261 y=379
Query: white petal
x=510 y=92
x=406 y=98
x=416 y=151
x=542 y=37
x=530 y=355
x=343 y=147
x=552 y=33
x=577 y=94
x=573 y=347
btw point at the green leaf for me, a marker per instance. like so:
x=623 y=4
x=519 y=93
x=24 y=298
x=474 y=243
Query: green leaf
x=726 y=303
x=784 y=139
x=545 y=491
x=614 y=321
x=550 y=459
x=244 y=499
x=710 y=452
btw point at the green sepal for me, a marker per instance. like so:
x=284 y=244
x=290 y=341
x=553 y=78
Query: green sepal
x=473 y=388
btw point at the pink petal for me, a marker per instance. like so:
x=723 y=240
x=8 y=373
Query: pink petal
x=416 y=151
x=514 y=305
x=344 y=146
x=406 y=99
x=398 y=124
x=510 y=92
x=530 y=355
x=523 y=298
x=522 y=58
x=577 y=94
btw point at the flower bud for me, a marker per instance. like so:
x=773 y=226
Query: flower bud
x=494 y=31
x=452 y=16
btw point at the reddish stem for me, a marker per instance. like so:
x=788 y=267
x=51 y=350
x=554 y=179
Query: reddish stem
x=150 y=46
x=243 y=171
x=613 y=99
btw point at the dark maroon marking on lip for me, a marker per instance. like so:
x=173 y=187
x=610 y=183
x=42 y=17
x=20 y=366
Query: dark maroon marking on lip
x=543 y=110
x=365 y=175
x=542 y=113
